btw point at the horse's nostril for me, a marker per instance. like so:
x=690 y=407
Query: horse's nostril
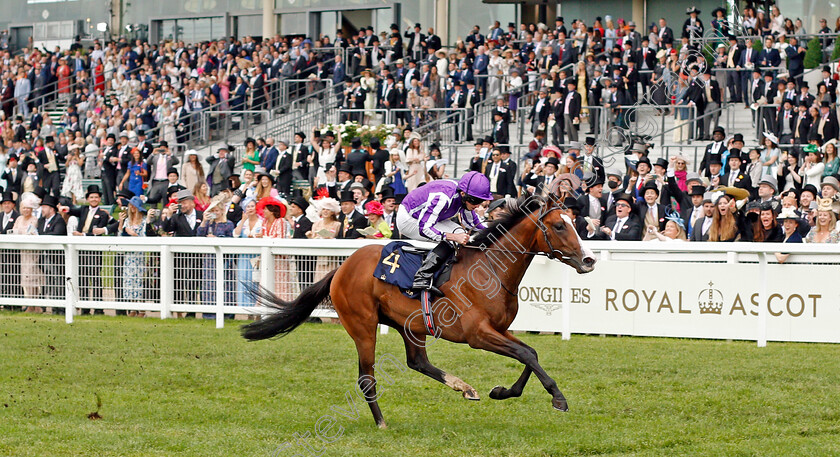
x=589 y=261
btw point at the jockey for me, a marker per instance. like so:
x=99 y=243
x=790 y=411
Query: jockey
x=427 y=214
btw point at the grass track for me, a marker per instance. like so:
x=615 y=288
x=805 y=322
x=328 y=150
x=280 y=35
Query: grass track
x=181 y=387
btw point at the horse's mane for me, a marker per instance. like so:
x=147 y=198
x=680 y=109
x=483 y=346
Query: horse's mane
x=514 y=212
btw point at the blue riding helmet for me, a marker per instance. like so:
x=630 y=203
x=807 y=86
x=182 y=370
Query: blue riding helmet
x=476 y=185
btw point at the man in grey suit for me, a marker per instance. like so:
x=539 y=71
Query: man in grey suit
x=221 y=168
x=700 y=231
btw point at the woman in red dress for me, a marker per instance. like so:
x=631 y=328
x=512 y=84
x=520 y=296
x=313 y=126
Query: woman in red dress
x=99 y=77
x=275 y=226
x=63 y=73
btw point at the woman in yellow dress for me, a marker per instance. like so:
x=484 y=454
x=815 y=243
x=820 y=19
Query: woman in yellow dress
x=583 y=87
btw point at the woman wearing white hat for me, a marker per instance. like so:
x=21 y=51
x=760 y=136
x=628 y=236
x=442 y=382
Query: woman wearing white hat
x=325 y=228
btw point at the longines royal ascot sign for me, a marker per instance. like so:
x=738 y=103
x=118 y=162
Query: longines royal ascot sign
x=694 y=300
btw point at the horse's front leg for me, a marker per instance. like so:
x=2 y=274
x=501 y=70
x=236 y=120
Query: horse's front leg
x=499 y=392
x=487 y=338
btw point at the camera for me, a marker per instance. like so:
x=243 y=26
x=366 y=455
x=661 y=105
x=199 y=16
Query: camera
x=211 y=216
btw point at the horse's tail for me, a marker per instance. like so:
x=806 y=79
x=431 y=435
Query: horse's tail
x=287 y=315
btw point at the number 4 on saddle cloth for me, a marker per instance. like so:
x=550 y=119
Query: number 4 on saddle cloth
x=400 y=261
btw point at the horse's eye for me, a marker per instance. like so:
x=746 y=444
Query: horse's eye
x=560 y=226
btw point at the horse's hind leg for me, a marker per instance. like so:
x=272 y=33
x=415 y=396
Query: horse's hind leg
x=360 y=322
x=416 y=359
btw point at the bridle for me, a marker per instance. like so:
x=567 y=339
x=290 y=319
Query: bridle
x=545 y=210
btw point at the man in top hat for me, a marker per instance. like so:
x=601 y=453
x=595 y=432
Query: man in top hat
x=300 y=154
x=109 y=170
x=623 y=225
x=711 y=94
x=716 y=148
x=634 y=184
x=826 y=126
x=9 y=258
x=734 y=176
x=416 y=42
x=13 y=175
x=652 y=213
x=733 y=77
x=542 y=177
x=93 y=221
x=702 y=223
x=502 y=177
x=52 y=262
x=221 y=168
x=389 y=210
x=159 y=163
x=351 y=220
x=785 y=122
x=540 y=111
x=594 y=203
x=570 y=111
x=143 y=144
x=50 y=159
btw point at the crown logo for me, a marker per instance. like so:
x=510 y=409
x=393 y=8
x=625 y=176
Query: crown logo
x=710 y=300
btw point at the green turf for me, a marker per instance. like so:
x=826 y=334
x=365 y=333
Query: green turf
x=182 y=387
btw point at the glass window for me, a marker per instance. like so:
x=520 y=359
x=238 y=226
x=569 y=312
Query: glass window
x=293 y=24
x=167 y=30
x=201 y=30
x=217 y=27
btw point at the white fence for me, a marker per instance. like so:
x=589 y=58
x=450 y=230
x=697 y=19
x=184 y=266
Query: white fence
x=697 y=290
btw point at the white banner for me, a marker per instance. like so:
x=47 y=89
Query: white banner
x=692 y=300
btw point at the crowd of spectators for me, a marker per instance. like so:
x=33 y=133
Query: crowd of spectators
x=106 y=166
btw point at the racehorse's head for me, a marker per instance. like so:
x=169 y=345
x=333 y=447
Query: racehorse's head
x=559 y=238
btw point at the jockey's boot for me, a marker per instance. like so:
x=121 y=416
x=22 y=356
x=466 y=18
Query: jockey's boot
x=424 y=279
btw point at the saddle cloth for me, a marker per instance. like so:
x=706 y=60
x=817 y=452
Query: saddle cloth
x=400 y=261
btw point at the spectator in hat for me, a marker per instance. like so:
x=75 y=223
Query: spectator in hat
x=826 y=126
x=716 y=148
x=52 y=262
x=501 y=175
x=49 y=159
x=133 y=222
x=790 y=223
x=350 y=219
x=72 y=185
x=93 y=221
x=623 y=225
x=825 y=224
x=764 y=226
x=160 y=163
x=831 y=189
x=31 y=275
x=767 y=188
x=593 y=203
x=13 y=176
x=636 y=180
x=674 y=230
x=221 y=168
x=734 y=177
x=652 y=213
x=542 y=177
x=192 y=172
x=248 y=227
x=373 y=213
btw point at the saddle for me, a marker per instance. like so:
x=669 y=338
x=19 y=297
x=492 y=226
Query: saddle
x=400 y=261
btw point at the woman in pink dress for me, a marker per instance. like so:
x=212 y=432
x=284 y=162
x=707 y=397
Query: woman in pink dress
x=224 y=88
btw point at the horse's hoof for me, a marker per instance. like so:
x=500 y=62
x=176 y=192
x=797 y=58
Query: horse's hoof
x=560 y=404
x=496 y=393
x=382 y=425
x=471 y=394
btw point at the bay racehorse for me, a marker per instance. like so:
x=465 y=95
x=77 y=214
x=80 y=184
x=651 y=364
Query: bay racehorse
x=479 y=305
